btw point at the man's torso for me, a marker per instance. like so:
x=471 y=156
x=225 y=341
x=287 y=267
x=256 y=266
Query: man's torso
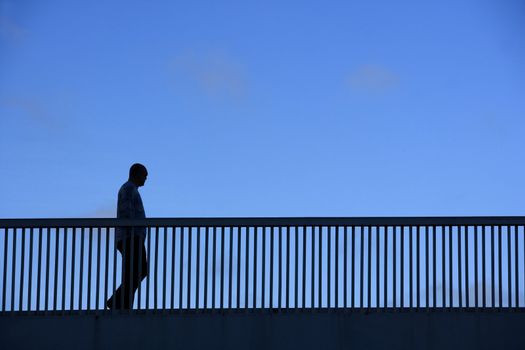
x=129 y=206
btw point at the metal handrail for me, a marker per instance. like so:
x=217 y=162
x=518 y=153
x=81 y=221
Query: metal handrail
x=265 y=221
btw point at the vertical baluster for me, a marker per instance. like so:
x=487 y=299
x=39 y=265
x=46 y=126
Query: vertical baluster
x=509 y=273
x=312 y=268
x=500 y=278
x=353 y=267
x=97 y=298
x=427 y=268
x=246 y=266
x=523 y=235
x=303 y=299
x=64 y=263
x=90 y=253
x=263 y=267
x=164 y=265
x=22 y=260
x=125 y=248
x=483 y=268
x=272 y=234
x=113 y=307
x=30 y=280
x=450 y=258
x=190 y=251
x=394 y=270
x=106 y=268
x=434 y=287
x=13 y=274
x=523 y=240
x=467 y=304
x=181 y=266
x=239 y=267
x=206 y=267
x=361 y=267
x=148 y=260
x=287 y=267
x=4 y=282
x=443 y=291
x=378 y=266
x=239 y=264
x=410 y=268
x=55 y=279
x=280 y=272
x=188 y=285
x=369 y=268
x=46 y=291
x=222 y=270
x=320 y=286
x=328 y=265
x=418 y=263
x=296 y=255
x=345 y=267
x=230 y=267
x=492 y=263
x=402 y=267
x=460 y=284
x=516 y=277
x=476 y=280
x=336 y=256
x=386 y=268
x=254 y=302
x=39 y=269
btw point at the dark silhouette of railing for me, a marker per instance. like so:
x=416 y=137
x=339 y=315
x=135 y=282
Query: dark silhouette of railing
x=71 y=265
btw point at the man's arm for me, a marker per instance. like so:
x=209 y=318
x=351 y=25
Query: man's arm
x=126 y=209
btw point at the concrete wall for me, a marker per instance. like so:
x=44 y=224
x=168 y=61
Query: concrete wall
x=265 y=330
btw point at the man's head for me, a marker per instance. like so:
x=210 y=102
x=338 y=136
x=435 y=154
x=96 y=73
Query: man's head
x=138 y=174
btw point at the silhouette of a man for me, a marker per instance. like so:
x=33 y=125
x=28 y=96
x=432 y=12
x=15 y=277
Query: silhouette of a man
x=130 y=240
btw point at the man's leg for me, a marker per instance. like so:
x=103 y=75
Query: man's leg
x=133 y=273
x=134 y=270
x=129 y=273
x=144 y=262
x=114 y=301
x=119 y=299
x=140 y=265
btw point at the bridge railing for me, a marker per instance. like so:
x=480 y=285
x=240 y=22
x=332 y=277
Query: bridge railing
x=72 y=265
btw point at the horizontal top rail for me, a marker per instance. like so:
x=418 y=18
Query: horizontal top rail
x=266 y=221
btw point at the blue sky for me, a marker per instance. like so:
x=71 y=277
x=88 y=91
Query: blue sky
x=319 y=108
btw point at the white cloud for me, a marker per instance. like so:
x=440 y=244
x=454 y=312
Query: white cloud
x=11 y=30
x=214 y=73
x=34 y=110
x=373 y=78
x=104 y=212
